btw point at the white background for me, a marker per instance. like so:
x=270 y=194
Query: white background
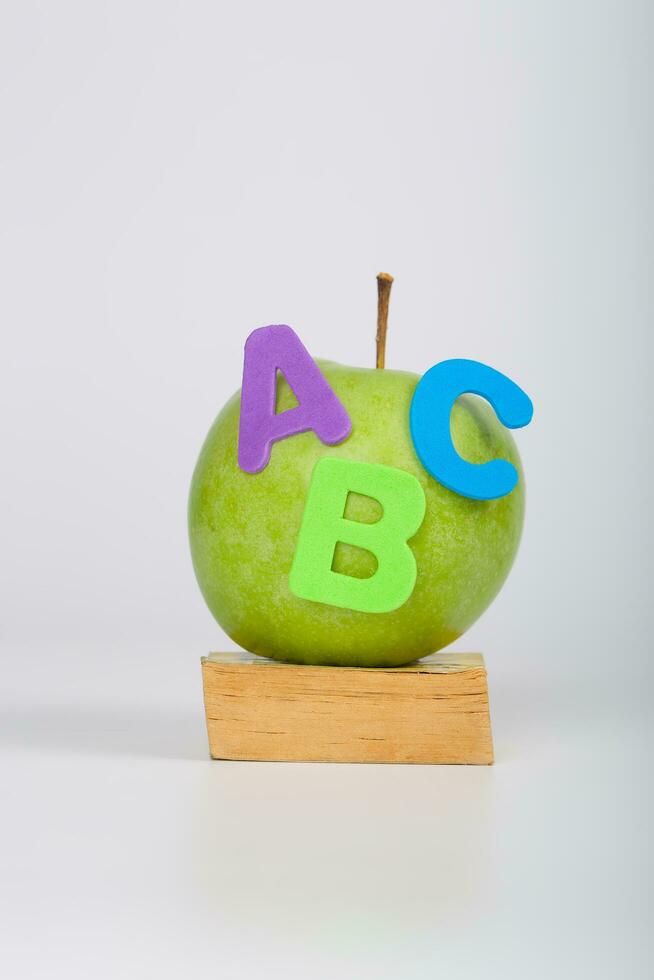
x=172 y=176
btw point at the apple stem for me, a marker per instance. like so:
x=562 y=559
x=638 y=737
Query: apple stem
x=384 y=283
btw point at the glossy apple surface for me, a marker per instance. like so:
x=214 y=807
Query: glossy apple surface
x=243 y=530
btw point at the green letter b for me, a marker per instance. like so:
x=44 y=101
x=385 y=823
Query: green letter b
x=323 y=525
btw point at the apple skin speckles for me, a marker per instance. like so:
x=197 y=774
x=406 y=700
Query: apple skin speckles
x=243 y=531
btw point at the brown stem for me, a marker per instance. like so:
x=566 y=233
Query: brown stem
x=384 y=283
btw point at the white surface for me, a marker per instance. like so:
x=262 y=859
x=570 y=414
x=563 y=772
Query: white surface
x=126 y=853
x=174 y=175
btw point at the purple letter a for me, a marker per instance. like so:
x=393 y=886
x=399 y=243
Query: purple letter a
x=268 y=350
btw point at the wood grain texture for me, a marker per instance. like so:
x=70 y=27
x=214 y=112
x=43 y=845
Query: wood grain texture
x=433 y=711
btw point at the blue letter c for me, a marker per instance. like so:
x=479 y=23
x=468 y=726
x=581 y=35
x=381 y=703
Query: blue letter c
x=429 y=416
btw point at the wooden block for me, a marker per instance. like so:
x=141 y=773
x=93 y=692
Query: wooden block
x=433 y=711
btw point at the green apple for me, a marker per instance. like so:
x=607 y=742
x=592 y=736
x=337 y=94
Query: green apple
x=244 y=528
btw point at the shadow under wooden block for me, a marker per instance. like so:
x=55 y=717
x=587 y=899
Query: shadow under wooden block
x=433 y=711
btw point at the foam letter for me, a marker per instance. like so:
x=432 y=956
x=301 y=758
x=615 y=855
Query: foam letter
x=323 y=525
x=268 y=350
x=430 y=412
